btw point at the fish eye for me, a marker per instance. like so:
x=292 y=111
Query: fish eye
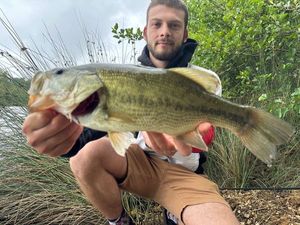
x=60 y=71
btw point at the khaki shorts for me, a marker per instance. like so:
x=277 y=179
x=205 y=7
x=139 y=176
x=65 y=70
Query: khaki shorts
x=172 y=186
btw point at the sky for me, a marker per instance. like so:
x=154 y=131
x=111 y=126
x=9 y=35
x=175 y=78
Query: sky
x=67 y=18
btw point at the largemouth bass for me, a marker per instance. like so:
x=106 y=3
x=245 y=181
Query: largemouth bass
x=121 y=99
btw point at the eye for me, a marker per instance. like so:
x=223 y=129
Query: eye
x=155 y=24
x=174 y=26
x=60 y=71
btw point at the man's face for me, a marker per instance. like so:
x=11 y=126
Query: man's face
x=165 y=32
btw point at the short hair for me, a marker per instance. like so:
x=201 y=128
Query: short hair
x=176 y=4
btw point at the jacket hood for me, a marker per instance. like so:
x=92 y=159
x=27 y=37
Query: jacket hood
x=182 y=59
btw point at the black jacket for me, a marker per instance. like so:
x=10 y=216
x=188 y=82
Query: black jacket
x=182 y=59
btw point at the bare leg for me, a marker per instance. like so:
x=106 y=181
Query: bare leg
x=96 y=168
x=209 y=214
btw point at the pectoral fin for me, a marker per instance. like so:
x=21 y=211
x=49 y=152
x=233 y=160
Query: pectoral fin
x=193 y=138
x=121 y=141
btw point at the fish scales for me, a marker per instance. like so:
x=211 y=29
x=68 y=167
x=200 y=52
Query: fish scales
x=123 y=98
x=166 y=103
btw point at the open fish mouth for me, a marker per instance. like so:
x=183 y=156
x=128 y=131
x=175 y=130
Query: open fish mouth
x=87 y=106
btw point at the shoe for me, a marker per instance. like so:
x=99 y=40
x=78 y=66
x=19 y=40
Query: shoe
x=169 y=218
x=124 y=219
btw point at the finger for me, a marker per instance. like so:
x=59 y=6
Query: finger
x=171 y=141
x=65 y=146
x=37 y=120
x=164 y=142
x=161 y=142
x=151 y=143
x=62 y=138
x=182 y=148
x=57 y=124
x=149 y=140
x=204 y=127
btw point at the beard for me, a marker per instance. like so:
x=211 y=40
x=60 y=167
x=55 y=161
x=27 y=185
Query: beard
x=164 y=55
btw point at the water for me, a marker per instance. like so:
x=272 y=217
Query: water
x=11 y=119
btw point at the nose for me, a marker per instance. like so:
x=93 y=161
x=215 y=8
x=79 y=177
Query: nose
x=165 y=31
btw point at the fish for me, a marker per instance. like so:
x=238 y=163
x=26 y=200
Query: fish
x=122 y=98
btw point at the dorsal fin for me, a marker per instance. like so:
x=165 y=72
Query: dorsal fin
x=206 y=78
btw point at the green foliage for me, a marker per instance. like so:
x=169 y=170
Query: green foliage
x=254 y=46
x=282 y=106
x=246 y=40
x=126 y=34
x=13 y=91
x=129 y=35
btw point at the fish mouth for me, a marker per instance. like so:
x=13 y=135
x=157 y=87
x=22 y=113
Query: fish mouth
x=87 y=106
x=39 y=103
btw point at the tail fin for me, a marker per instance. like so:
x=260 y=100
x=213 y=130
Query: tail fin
x=263 y=132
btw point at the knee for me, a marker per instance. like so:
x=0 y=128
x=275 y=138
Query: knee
x=89 y=158
x=78 y=166
x=210 y=213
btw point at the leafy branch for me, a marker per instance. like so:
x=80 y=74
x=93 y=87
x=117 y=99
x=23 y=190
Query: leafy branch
x=127 y=34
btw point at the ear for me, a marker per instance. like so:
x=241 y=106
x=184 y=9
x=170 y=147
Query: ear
x=185 y=35
x=145 y=33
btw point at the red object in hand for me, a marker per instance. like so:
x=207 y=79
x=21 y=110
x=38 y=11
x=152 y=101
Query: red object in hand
x=207 y=138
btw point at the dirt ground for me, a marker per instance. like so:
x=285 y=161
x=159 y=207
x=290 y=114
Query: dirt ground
x=265 y=207
x=259 y=207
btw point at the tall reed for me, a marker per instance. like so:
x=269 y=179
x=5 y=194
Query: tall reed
x=36 y=189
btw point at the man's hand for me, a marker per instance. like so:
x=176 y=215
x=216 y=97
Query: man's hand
x=50 y=133
x=204 y=128
x=167 y=145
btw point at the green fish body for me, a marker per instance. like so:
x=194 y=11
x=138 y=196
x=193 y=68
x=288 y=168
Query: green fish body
x=121 y=99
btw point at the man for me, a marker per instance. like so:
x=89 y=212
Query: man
x=102 y=174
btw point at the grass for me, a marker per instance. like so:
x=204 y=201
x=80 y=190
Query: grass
x=36 y=189
x=231 y=165
x=41 y=190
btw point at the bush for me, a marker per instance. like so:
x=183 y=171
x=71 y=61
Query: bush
x=254 y=46
x=246 y=41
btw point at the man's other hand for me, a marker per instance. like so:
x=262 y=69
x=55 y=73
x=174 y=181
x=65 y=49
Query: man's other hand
x=50 y=133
